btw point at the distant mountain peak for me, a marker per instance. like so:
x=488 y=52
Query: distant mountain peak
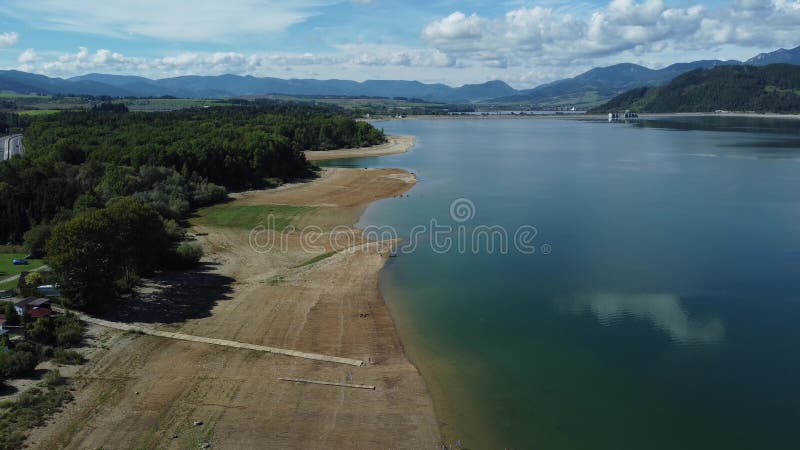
x=780 y=56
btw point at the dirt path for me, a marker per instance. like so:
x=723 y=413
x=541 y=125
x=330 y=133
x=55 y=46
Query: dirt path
x=211 y=341
x=144 y=391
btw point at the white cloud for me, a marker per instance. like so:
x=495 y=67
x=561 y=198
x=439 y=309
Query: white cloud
x=395 y=55
x=348 y=56
x=455 y=27
x=546 y=36
x=28 y=56
x=181 y=20
x=8 y=39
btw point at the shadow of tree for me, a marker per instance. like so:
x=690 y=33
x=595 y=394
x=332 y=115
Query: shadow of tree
x=7 y=389
x=173 y=297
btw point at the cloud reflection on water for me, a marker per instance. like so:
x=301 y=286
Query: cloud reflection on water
x=664 y=311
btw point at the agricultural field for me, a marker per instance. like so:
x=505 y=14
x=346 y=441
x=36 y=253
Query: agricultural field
x=39 y=112
x=169 y=104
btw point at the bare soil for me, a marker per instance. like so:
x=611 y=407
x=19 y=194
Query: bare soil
x=148 y=392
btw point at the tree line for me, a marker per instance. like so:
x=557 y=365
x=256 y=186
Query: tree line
x=103 y=191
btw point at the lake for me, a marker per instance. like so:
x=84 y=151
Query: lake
x=659 y=309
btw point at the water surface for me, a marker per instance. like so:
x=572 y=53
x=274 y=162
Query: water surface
x=666 y=314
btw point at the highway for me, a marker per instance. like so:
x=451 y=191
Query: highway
x=11 y=145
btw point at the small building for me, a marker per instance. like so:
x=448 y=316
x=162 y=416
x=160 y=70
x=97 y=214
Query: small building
x=33 y=306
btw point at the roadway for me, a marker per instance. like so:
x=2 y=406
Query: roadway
x=11 y=146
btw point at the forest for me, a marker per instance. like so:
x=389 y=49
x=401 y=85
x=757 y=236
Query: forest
x=87 y=172
x=774 y=88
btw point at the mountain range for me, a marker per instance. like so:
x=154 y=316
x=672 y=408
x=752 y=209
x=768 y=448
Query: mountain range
x=768 y=88
x=585 y=90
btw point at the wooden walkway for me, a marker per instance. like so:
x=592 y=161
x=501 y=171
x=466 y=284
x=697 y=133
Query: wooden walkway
x=212 y=341
x=329 y=383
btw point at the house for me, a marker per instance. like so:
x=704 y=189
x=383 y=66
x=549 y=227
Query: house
x=33 y=306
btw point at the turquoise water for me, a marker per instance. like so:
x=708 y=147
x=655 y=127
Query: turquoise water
x=667 y=312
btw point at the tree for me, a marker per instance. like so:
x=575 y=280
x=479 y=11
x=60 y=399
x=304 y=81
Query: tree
x=36 y=238
x=81 y=254
x=140 y=239
x=12 y=318
x=96 y=249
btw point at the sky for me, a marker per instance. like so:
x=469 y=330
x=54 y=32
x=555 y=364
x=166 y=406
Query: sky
x=524 y=43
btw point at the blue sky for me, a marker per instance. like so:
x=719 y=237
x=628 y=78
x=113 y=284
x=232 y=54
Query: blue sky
x=524 y=43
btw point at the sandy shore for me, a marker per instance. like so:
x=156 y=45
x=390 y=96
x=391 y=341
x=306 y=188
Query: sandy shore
x=394 y=146
x=149 y=392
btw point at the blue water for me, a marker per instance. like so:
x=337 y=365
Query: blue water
x=660 y=309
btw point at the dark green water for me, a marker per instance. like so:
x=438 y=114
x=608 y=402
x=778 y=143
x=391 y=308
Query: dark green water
x=667 y=315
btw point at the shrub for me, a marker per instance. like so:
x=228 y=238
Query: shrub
x=185 y=256
x=63 y=331
x=52 y=379
x=173 y=230
x=68 y=357
x=16 y=363
x=41 y=330
x=69 y=330
x=206 y=193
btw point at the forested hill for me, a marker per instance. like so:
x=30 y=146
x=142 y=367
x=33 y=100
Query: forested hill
x=773 y=88
x=172 y=161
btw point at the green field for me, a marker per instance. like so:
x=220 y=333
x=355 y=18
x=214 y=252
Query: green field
x=249 y=216
x=39 y=112
x=8 y=269
x=169 y=104
x=25 y=96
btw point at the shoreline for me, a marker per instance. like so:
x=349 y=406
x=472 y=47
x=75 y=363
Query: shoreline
x=331 y=306
x=570 y=116
x=394 y=146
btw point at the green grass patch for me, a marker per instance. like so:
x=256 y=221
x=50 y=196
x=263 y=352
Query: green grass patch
x=8 y=269
x=170 y=104
x=316 y=259
x=274 y=217
x=26 y=96
x=39 y=112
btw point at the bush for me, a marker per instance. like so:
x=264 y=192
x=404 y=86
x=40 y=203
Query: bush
x=63 y=331
x=128 y=281
x=32 y=280
x=68 y=330
x=185 y=256
x=41 y=330
x=52 y=379
x=68 y=357
x=190 y=252
x=174 y=231
x=206 y=193
x=17 y=363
